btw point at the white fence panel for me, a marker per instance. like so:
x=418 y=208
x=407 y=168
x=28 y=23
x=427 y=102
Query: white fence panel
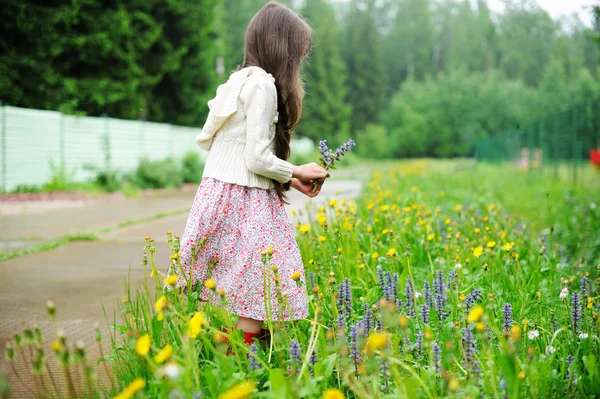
x=32 y=140
x=83 y=137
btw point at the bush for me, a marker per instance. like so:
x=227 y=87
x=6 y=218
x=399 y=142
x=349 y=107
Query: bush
x=374 y=142
x=158 y=174
x=193 y=166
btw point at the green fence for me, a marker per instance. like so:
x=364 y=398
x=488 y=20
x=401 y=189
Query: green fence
x=559 y=144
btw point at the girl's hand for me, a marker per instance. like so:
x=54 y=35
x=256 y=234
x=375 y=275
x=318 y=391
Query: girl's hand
x=306 y=188
x=310 y=171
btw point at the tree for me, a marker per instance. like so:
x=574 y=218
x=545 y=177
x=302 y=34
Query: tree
x=366 y=79
x=124 y=58
x=326 y=113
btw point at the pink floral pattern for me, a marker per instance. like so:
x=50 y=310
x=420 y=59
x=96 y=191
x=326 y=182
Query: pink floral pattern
x=240 y=222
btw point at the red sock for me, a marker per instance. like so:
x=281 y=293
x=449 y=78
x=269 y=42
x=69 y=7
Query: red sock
x=249 y=337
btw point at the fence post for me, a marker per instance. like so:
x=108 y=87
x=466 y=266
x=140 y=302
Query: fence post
x=3 y=140
x=106 y=142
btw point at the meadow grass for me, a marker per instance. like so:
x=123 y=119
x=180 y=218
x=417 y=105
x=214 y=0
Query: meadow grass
x=435 y=283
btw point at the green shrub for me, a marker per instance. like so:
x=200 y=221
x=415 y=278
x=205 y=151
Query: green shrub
x=193 y=166
x=374 y=142
x=158 y=174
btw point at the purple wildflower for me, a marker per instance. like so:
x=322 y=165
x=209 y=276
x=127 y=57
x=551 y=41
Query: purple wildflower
x=575 y=312
x=451 y=279
x=569 y=360
x=474 y=296
x=295 y=355
x=440 y=297
x=437 y=357
x=380 y=277
x=425 y=313
x=353 y=346
x=507 y=316
x=584 y=286
x=385 y=374
x=410 y=298
x=312 y=361
x=419 y=345
x=311 y=278
x=344 y=301
x=254 y=364
x=427 y=294
x=469 y=346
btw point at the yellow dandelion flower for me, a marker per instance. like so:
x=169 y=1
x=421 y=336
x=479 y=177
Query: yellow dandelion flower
x=385 y=231
x=377 y=341
x=522 y=375
x=391 y=252
x=142 y=346
x=447 y=221
x=375 y=255
x=56 y=346
x=516 y=332
x=369 y=229
x=195 y=324
x=403 y=321
x=304 y=228
x=333 y=203
x=160 y=316
x=442 y=193
x=384 y=208
x=171 y=280
x=361 y=266
x=295 y=276
x=339 y=250
x=210 y=284
x=430 y=237
x=161 y=303
x=453 y=385
x=491 y=244
x=370 y=206
x=322 y=238
x=333 y=393
x=407 y=209
x=347 y=226
x=240 y=391
x=293 y=212
x=590 y=302
x=175 y=256
x=475 y=314
x=477 y=230
x=507 y=246
x=133 y=388
x=321 y=209
x=480 y=327
x=311 y=261
x=525 y=325
x=165 y=354
x=458 y=208
x=478 y=251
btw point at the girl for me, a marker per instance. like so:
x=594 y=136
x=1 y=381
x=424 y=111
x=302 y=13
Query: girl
x=239 y=206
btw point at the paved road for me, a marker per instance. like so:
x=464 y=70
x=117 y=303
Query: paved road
x=80 y=276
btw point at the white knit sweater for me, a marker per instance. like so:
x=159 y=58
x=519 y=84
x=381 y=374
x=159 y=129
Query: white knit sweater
x=240 y=130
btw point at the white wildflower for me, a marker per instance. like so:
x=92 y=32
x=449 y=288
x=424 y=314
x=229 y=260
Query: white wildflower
x=593 y=205
x=550 y=350
x=169 y=370
x=564 y=293
x=533 y=334
x=458 y=266
x=583 y=335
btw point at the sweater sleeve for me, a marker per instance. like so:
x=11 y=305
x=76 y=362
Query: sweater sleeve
x=260 y=105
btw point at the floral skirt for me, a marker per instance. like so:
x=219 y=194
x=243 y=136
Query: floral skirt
x=228 y=228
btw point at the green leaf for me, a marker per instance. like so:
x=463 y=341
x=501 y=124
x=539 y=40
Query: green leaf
x=278 y=383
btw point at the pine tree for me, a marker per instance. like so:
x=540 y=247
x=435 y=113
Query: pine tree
x=326 y=113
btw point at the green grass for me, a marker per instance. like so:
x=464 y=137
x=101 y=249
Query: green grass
x=494 y=323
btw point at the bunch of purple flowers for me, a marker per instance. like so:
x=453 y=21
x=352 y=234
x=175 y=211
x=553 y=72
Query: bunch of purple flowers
x=329 y=158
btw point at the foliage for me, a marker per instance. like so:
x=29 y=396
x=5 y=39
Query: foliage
x=325 y=109
x=127 y=59
x=445 y=116
x=192 y=167
x=374 y=142
x=366 y=80
x=158 y=174
x=413 y=292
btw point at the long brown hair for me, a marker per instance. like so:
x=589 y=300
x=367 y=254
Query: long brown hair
x=277 y=40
